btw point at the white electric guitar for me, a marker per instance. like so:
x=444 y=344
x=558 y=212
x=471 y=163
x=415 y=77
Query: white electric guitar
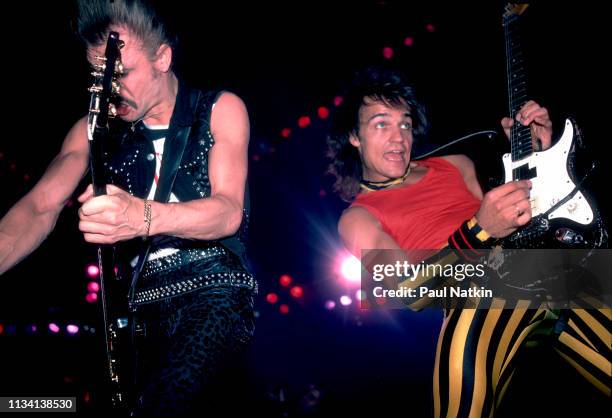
x=560 y=210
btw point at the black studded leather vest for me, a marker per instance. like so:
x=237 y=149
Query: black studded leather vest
x=130 y=165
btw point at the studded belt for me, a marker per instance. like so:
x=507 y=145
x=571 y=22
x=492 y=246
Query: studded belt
x=180 y=258
x=238 y=279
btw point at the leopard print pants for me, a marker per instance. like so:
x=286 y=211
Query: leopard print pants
x=190 y=349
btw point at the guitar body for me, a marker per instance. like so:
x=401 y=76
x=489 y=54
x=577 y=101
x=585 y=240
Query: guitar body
x=562 y=215
x=552 y=179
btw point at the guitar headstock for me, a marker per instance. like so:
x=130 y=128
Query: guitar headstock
x=514 y=9
x=105 y=87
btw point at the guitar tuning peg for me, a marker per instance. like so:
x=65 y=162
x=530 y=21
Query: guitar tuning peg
x=116 y=87
x=112 y=110
x=99 y=63
x=97 y=74
x=95 y=88
x=118 y=67
x=120 y=44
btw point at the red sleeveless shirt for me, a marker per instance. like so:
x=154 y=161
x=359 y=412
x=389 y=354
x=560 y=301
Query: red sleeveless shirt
x=424 y=214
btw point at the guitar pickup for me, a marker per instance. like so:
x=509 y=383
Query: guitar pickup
x=523 y=172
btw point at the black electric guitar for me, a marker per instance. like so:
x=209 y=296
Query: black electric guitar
x=113 y=293
x=562 y=214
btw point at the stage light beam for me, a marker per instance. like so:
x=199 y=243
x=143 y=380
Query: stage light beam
x=351 y=269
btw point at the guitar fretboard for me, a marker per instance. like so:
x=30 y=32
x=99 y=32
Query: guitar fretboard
x=520 y=135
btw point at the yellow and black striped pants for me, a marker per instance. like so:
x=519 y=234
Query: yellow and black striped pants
x=477 y=348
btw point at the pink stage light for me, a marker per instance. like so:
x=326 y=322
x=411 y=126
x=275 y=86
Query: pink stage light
x=93 y=271
x=93 y=287
x=91 y=297
x=72 y=329
x=345 y=300
x=387 y=52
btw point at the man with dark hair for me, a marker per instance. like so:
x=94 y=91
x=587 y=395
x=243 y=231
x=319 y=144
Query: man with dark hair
x=194 y=298
x=437 y=204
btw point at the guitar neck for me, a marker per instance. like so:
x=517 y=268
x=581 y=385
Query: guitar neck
x=520 y=135
x=96 y=160
x=113 y=296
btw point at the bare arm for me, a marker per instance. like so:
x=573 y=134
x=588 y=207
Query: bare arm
x=466 y=167
x=360 y=230
x=33 y=217
x=119 y=216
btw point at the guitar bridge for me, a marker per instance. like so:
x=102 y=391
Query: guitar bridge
x=568 y=236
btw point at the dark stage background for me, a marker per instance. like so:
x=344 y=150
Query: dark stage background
x=286 y=60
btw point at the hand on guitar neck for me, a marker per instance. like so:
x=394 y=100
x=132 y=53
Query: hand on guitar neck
x=536 y=117
x=506 y=208
x=107 y=219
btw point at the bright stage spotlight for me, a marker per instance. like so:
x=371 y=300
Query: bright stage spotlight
x=351 y=269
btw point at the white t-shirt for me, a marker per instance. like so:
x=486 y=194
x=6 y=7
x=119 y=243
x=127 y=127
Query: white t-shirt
x=158 y=144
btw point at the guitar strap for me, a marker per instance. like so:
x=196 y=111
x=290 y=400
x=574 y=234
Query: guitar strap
x=173 y=154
